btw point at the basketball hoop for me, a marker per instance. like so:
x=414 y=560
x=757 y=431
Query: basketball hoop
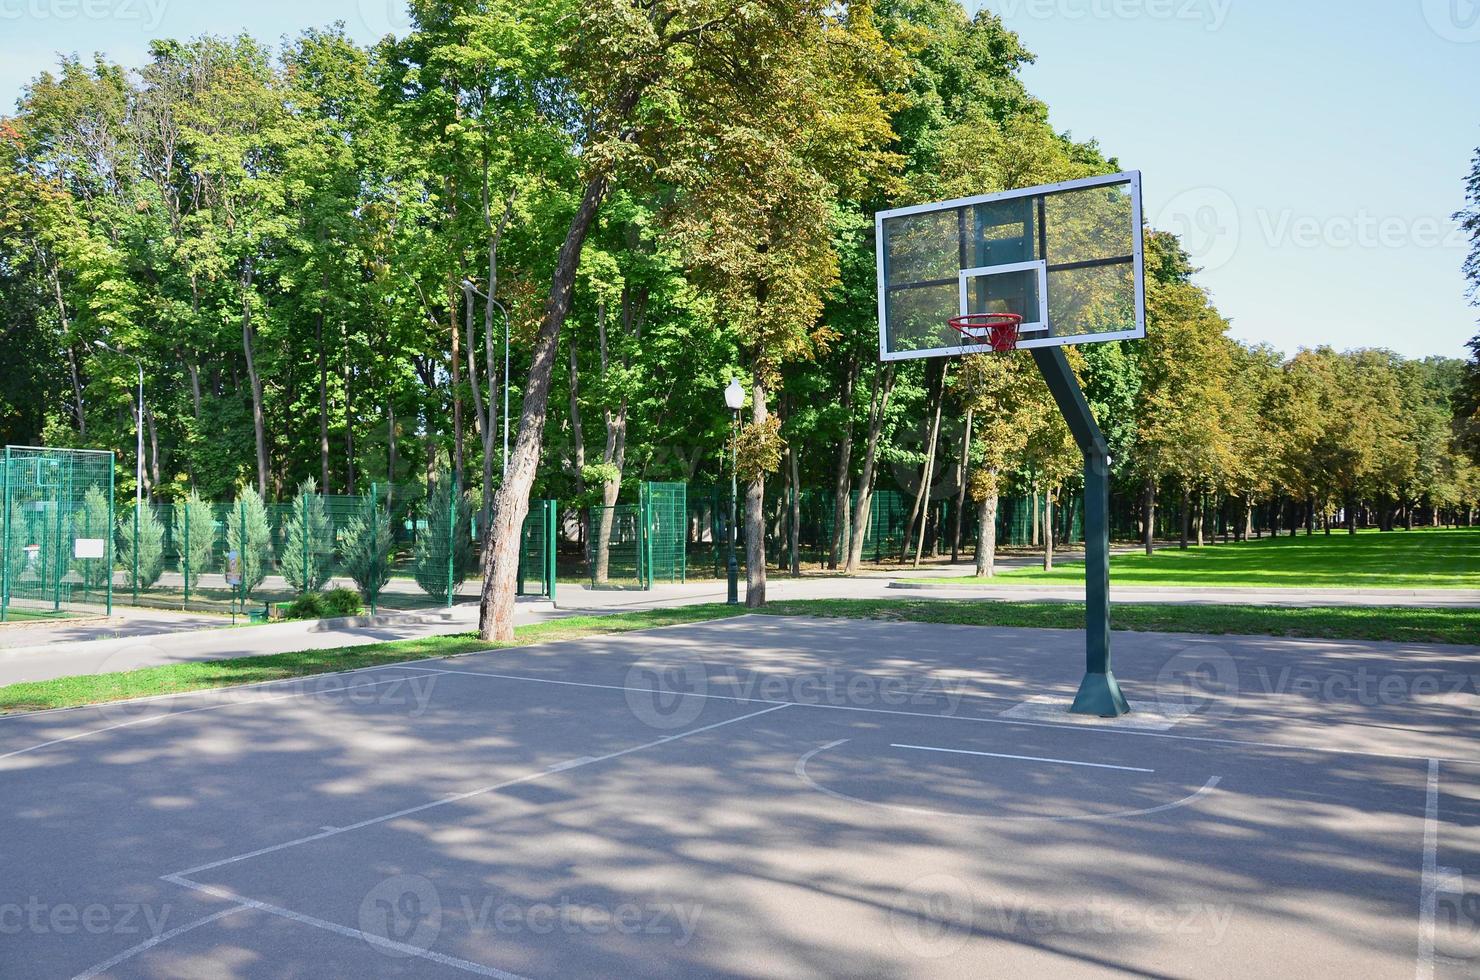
x=996 y=330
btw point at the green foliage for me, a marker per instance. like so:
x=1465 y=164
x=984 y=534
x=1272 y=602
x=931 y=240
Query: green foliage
x=149 y=561
x=342 y=602
x=324 y=605
x=307 y=557
x=444 y=550
x=310 y=605
x=366 y=549
x=195 y=537
x=250 y=536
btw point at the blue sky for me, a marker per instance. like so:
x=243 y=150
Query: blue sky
x=1310 y=153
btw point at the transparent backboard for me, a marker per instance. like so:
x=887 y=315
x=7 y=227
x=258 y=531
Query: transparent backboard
x=1066 y=257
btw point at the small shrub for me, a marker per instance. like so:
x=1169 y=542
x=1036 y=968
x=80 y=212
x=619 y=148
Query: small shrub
x=310 y=605
x=341 y=602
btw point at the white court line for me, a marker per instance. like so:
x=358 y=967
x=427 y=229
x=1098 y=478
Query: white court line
x=1428 y=896
x=467 y=966
x=1081 y=727
x=153 y=941
x=209 y=707
x=801 y=770
x=1021 y=758
x=558 y=767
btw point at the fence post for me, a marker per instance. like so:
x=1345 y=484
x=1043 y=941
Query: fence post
x=374 y=507
x=451 y=535
x=307 y=538
x=5 y=536
x=552 y=513
x=184 y=550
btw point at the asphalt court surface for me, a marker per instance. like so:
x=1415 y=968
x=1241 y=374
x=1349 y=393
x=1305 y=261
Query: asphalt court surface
x=764 y=796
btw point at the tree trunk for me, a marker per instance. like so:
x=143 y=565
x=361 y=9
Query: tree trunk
x=349 y=428
x=844 y=474
x=963 y=473
x=794 y=524
x=922 y=491
x=1186 y=517
x=927 y=478
x=259 y=423
x=511 y=505
x=1048 y=534
x=878 y=407
x=755 y=527
x=153 y=450
x=1149 y=506
x=986 y=537
x=323 y=364
x=1197 y=519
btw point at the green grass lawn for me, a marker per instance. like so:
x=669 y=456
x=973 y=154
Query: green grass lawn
x=1363 y=623
x=1430 y=558
x=14 y=615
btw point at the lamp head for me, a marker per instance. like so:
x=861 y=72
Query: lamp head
x=735 y=395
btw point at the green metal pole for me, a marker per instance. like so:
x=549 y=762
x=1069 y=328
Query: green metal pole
x=1099 y=693
x=374 y=515
x=552 y=514
x=307 y=539
x=184 y=549
x=5 y=538
x=109 y=555
x=137 y=505
x=451 y=536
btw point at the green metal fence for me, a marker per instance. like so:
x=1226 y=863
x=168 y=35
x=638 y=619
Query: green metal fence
x=56 y=532
x=537 y=549
x=665 y=523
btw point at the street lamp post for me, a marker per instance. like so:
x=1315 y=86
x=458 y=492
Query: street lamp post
x=138 y=459
x=735 y=400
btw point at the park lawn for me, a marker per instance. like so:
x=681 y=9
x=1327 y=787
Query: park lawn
x=1427 y=558
x=14 y=615
x=1361 y=623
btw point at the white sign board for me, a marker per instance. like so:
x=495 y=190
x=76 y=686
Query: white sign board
x=89 y=547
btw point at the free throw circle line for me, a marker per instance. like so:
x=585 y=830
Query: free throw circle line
x=1021 y=758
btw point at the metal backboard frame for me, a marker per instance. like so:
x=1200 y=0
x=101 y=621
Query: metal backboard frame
x=1044 y=331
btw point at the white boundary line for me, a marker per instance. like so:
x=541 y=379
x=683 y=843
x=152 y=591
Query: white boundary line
x=153 y=941
x=467 y=966
x=211 y=707
x=1020 y=758
x=558 y=767
x=1428 y=895
x=801 y=771
x=1081 y=727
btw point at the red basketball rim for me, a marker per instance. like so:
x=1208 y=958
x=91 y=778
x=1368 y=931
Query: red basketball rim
x=998 y=330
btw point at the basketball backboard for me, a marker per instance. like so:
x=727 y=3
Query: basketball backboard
x=1065 y=257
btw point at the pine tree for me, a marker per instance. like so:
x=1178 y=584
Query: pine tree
x=445 y=548
x=367 y=549
x=249 y=535
x=150 y=559
x=195 y=537
x=308 y=542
